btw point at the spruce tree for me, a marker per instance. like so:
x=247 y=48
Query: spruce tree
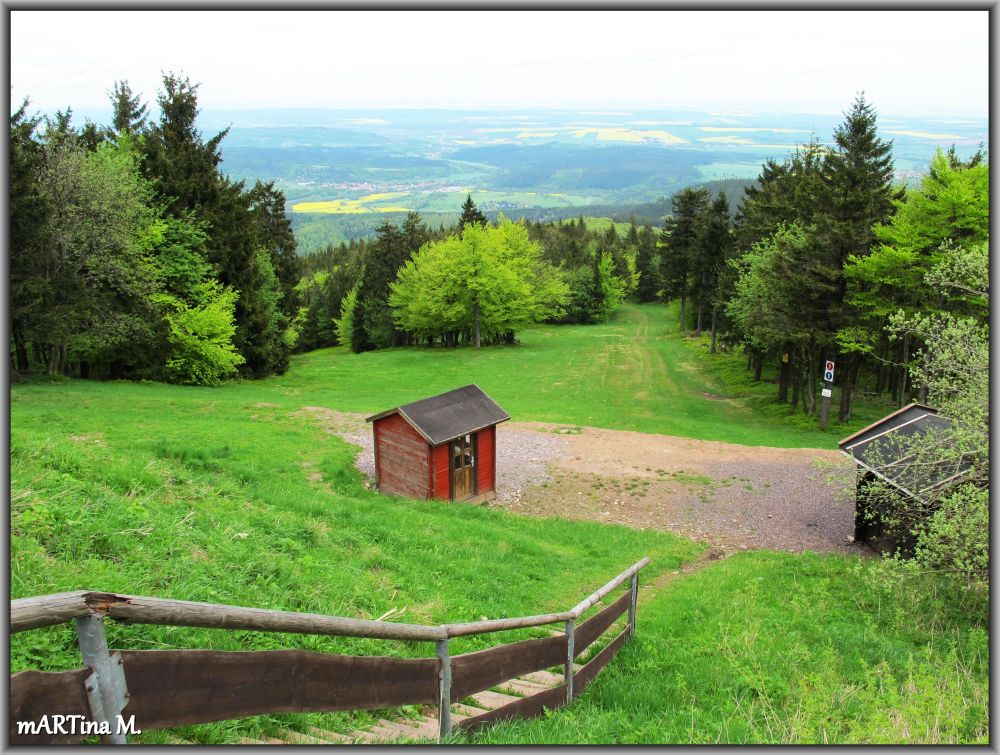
x=859 y=195
x=714 y=244
x=128 y=111
x=470 y=214
x=647 y=262
x=679 y=240
x=373 y=322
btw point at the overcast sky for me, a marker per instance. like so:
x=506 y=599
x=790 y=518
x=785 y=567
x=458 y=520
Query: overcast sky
x=907 y=61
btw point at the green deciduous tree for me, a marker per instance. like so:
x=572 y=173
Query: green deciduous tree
x=487 y=283
x=96 y=276
x=950 y=524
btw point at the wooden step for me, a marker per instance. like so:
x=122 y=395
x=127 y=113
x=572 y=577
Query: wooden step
x=327 y=735
x=408 y=728
x=298 y=738
x=262 y=741
x=467 y=710
x=492 y=700
x=546 y=678
x=523 y=687
x=372 y=735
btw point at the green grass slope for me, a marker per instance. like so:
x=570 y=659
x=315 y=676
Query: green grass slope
x=239 y=495
x=634 y=373
x=779 y=648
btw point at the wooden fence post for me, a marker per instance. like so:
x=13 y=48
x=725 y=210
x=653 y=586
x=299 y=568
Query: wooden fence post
x=634 y=587
x=569 y=661
x=109 y=676
x=444 y=684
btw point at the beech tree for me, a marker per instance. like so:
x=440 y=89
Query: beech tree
x=487 y=283
x=951 y=522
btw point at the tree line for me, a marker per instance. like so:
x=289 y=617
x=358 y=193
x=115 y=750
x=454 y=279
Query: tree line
x=134 y=256
x=476 y=283
x=824 y=250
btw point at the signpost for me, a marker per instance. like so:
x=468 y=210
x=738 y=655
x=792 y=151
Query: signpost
x=824 y=411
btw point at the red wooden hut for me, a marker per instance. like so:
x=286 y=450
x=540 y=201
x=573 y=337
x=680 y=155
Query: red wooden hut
x=439 y=447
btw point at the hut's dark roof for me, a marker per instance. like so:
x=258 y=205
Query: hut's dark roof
x=449 y=415
x=884 y=448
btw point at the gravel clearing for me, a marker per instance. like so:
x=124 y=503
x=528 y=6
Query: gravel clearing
x=733 y=497
x=522 y=454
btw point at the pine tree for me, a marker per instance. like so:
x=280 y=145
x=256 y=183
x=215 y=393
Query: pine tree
x=647 y=262
x=373 y=322
x=274 y=233
x=29 y=214
x=714 y=244
x=129 y=112
x=859 y=195
x=470 y=214
x=679 y=240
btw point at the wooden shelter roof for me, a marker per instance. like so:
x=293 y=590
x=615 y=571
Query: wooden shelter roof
x=449 y=415
x=884 y=449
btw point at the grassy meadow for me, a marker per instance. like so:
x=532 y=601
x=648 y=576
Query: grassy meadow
x=240 y=495
x=633 y=373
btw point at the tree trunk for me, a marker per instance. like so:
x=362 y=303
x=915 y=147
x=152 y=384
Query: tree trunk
x=796 y=383
x=20 y=351
x=701 y=307
x=758 y=365
x=715 y=323
x=784 y=373
x=926 y=370
x=809 y=382
x=475 y=318
x=54 y=359
x=85 y=370
x=683 y=322
x=905 y=370
x=851 y=364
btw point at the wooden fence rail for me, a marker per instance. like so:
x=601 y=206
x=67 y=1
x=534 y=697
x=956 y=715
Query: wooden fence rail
x=168 y=688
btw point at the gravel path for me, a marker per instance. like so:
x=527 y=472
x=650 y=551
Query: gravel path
x=734 y=497
x=522 y=454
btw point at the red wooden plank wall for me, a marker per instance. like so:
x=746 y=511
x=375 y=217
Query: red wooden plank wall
x=441 y=471
x=487 y=459
x=403 y=456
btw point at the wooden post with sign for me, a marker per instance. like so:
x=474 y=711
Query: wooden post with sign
x=824 y=411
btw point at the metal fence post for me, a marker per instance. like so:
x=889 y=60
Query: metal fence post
x=444 y=684
x=570 y=654
x=109 y=676
x=634 y=587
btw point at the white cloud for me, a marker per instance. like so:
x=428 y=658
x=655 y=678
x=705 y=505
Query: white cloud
x=906 y=61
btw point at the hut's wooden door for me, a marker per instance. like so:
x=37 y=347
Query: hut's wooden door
x=463 y=467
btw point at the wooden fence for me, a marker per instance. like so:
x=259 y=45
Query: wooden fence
x=168 y=688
